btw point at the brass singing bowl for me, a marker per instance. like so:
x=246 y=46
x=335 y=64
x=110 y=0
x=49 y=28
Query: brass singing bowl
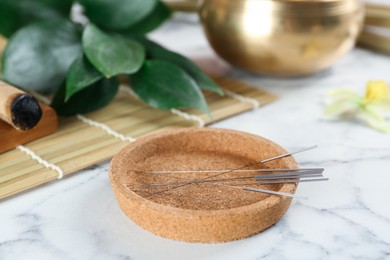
x=282 y=37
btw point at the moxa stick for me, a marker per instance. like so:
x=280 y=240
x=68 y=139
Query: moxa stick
x=18 y=108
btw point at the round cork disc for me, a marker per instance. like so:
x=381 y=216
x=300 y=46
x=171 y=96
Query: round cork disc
x=199 y=212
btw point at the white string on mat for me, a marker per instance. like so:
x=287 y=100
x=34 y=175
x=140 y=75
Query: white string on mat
x=42 y=161
x=187 y=116
x=91 y=122
x=83 y=119
x=242 y=98
x=105 y=128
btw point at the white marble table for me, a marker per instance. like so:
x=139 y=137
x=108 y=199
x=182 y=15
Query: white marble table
x=346 y=218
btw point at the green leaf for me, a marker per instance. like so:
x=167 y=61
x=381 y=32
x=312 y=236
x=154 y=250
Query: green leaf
x=159 y=14
x=81 y=74
x=117 y=14
x=164 y=85
x=155 y=51
x=38 y=56
x=87 y=100
x=112 y=55
x=19 y=13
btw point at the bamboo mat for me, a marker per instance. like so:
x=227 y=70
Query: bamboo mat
x=77 y=144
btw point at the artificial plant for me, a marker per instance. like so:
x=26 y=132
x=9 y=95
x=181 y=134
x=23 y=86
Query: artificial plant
x=370 y=109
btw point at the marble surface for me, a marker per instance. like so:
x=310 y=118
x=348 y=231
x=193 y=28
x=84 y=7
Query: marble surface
x=345 y=218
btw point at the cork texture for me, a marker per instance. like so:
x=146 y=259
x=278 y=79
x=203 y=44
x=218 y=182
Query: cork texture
x=202 y=212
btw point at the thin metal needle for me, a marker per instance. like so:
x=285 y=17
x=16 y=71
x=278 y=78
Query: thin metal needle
x=294 y=181
x=287 y=176
x=219 y=171
x=258 y=178
x=266 y=191
x=239 y=168
x=288 y=154
x=275 y=192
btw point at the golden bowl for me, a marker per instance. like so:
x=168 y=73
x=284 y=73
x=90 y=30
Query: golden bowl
x=282 y=37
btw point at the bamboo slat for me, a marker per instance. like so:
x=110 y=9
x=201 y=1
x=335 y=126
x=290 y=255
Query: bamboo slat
x=77 y=145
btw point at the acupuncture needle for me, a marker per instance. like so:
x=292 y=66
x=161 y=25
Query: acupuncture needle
x=241 y=187
x=293 y=181
x=276 y=182
x=267 y=183
x=263 y=183
x=265 y=191
x=289 y=176
x=259 y=177
x=220 y=171
x=242 y=167
x=270 y=177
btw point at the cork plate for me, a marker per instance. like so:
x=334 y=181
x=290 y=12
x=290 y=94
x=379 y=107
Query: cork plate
x=201 y=212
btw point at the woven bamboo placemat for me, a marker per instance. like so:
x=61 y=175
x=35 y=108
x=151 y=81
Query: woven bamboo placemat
x=88 y=139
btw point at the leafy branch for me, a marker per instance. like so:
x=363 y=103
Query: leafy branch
x=80 y=64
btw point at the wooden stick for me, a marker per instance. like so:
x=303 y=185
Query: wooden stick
x=377 y=15
x=378 y=8
x=378 y=21
x=374 y=41
x=11 y=137
x=18 y=108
